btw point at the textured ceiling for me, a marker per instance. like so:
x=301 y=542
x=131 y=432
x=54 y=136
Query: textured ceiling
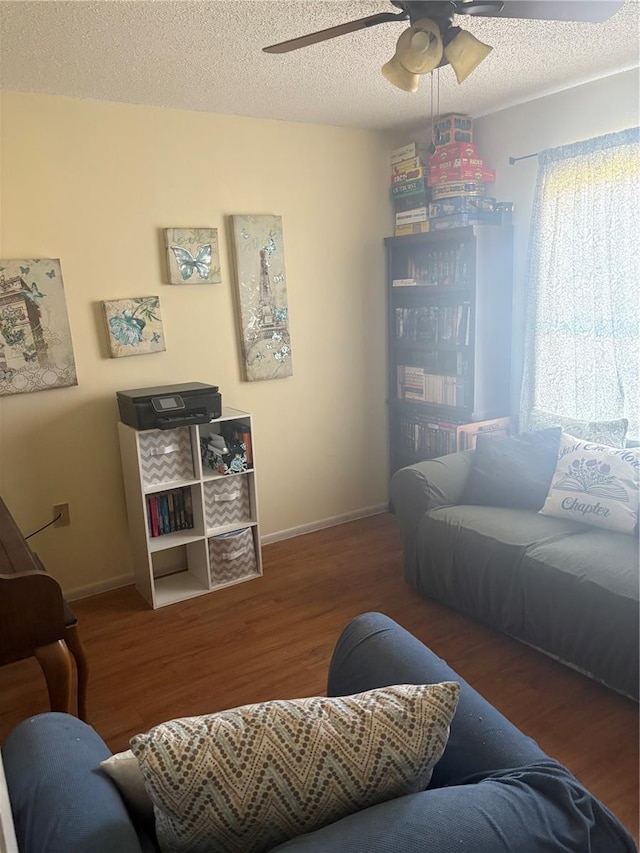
x=207 y=56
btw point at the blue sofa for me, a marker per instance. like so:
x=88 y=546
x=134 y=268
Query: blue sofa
x=493 y=791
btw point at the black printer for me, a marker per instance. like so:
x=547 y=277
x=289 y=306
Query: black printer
x=170 y=406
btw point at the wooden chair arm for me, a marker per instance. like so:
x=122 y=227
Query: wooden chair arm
x=31 y=613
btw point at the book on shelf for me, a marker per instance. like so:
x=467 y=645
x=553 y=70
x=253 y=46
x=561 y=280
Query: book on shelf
x=166 y=511
x=414 y=383
x=467 y=434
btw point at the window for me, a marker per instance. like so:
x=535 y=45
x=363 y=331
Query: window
x=582 y=342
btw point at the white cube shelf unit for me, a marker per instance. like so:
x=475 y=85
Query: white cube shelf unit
x=215 y=540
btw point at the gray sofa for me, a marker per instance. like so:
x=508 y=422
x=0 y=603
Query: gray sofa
x=567 y=589
x=493 y=790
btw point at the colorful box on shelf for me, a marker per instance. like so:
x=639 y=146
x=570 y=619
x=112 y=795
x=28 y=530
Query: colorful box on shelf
x=415 y=214
x=454 y=128
x=457 y=162
x=224 y=456
x=406 y=166
x=404 y=152
x=461 y=204
x=412 y=175
x=455 y=188
x=452 y=151
x=412 y=228
x=409 y=187
x=410 y=201
x=461 y=173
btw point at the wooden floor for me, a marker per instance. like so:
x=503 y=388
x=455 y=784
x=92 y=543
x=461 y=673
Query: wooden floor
x=273 y=637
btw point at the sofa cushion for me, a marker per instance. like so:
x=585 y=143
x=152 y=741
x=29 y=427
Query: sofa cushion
x=513 y=471
x=595 y=484
x=582 y=603
x=469 y=558
x=246 y=779
x=124 y=769
x=532 y=809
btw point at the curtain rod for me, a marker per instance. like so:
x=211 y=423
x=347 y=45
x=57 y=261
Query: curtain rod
x=513 y=160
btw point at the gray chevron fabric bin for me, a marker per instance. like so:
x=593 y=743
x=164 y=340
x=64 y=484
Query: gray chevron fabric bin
x=165 y=455
x=226 y=501
x=232 y=556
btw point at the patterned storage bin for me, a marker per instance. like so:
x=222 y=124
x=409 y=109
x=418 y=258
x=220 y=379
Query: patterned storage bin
x=232 y=556
x=226 y=502
x=165 y=455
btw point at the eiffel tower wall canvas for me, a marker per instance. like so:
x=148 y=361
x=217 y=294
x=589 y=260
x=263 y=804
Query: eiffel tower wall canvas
x=262 y=296
x=36 y=352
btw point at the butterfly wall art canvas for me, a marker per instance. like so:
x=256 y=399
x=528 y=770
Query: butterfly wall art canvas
x=192 y=255
x=36 y=351
x=134 y=326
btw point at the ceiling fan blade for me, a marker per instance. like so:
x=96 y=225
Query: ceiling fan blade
x=594 y=11
x=332 y=32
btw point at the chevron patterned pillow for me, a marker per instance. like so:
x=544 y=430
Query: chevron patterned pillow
x=245 y=780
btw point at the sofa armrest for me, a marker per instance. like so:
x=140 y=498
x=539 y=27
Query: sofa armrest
x=62 y=801
x=419 y=488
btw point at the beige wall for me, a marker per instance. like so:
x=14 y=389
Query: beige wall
x=93 y=184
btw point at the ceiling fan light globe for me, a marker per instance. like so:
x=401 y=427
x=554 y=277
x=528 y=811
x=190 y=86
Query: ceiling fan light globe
x=399 y=77
x=464 y=53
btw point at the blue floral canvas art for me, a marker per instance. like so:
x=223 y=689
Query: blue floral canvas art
x=192 y=255
x=36 y=352
x=134 y=326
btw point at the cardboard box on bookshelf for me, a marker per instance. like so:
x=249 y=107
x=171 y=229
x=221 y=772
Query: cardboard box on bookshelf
x=411 y=228
x=454 y=128
x=467 y=434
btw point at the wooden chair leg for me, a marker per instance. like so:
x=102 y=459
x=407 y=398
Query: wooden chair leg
x=55 y=661
x=77 y=650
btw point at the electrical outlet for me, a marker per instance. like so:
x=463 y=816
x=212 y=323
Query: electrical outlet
x=62 y=510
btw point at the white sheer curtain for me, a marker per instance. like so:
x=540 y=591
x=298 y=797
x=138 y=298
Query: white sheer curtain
x=582 y=342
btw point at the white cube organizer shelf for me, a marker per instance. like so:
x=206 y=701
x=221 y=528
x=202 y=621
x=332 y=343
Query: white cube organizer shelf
x=214 y=539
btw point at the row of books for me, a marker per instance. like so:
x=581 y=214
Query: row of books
x=429 y=438
x=434 y=324
x=437 y=268
x=170 y=511
x=414 y=383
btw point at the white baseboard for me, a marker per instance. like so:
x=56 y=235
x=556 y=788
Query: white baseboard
x=128 y=580
x=325 y=522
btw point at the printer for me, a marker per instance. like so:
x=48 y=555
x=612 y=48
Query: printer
x=169 y=406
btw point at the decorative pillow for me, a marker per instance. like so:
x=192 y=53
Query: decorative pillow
x=125 y=771
x=612 y=433
x=513 y=471
x=245 y=780
x=595 y=484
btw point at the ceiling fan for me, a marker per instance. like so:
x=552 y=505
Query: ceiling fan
x=432 y=39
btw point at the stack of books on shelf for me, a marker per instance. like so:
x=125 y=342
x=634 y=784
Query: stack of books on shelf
x=170 y=511
x=434 y=324
x=451 y=190
x=419 y=435
x=409 y=190
x=415 y=383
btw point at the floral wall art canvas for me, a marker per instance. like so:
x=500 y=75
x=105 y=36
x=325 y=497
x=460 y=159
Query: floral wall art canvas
x=36 y=352
x=134 y=326
x=262 y=296
x=192 y=255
